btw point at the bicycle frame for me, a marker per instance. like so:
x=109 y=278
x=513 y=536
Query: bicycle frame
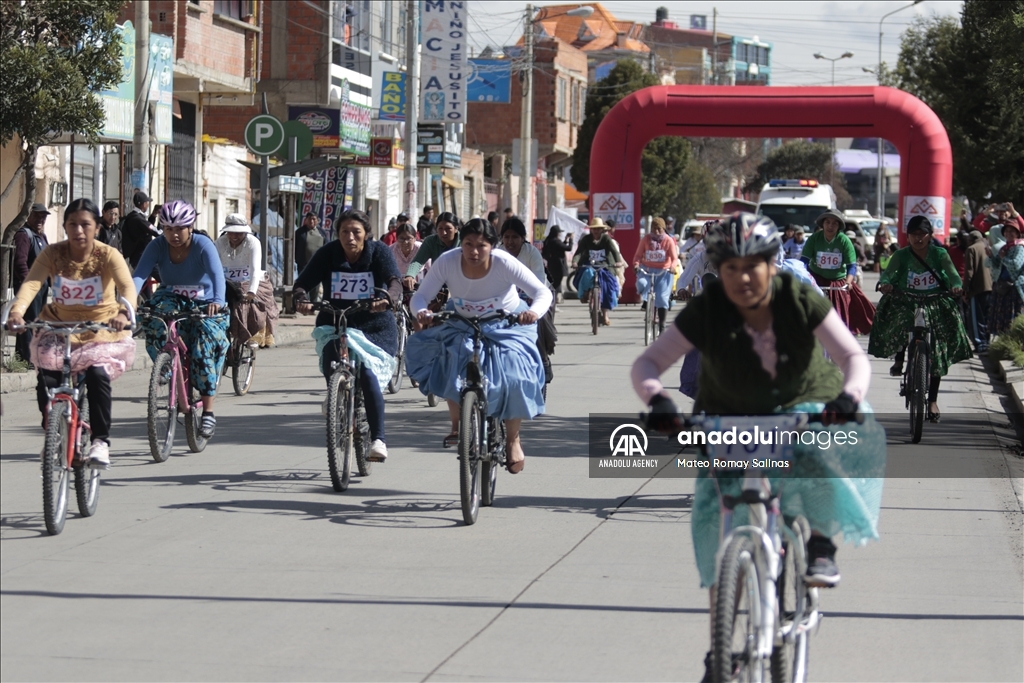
x=175 y=346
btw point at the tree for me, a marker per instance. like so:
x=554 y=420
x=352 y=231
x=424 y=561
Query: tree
x=971 y=74
x=699 y=193
x=802 y=159
x=55 y=55
x=664 y=159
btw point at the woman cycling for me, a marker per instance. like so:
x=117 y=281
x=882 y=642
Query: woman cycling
x=433 y=246
x=597 y=248
x=656 y=251
x=350 y=268
x=481 y=278
x=554 y=252
x=255 y=311
x=832 y=260
x=191 y=280
x=761 y=335
x=405 y=246
x=87 y=276
x=1007 y=299
x=921 y=268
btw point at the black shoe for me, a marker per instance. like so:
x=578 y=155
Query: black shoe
x=822 y=570
x=933 y=417
x=643 y=305
x=709 y=678
x=896 y=370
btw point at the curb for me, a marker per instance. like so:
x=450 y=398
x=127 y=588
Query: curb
x=1013 y=377
x=285 y=335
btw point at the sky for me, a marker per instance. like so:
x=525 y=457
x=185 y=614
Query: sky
x=796 y=30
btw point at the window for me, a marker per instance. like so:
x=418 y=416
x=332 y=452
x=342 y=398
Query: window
x=583 y=104
x=235 y=9
x=231 y=205
x=388 y=29
x=575 y=102
x=562 y=92
x=762 y=56
x=741 y=52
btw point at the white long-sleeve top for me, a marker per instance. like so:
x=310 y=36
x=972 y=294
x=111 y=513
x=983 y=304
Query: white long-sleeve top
x=496 y=290
x=530 y=257
x=242 y=264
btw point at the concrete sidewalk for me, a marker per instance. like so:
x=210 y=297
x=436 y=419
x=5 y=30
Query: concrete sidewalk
x=289 y=331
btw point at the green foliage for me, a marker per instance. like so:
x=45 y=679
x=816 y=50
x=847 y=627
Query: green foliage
x=971 y=74
x=54 y=56
x=15 y=363
x=699 y=193
x=1010 y=345
x=802 y=159
x=664 y=160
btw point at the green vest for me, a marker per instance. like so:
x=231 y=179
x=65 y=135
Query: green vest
x=732 y=380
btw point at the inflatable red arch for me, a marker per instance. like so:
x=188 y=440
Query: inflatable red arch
x=926 y=171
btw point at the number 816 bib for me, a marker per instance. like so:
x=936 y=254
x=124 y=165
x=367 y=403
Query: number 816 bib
x=351 y=286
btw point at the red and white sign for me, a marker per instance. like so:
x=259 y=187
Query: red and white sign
x=615 y=206
x=932 y=208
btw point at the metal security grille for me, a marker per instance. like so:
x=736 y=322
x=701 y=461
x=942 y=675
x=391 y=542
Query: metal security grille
x=181 y=167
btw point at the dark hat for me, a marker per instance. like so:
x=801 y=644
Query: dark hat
x=820 y=220
x=40 y=208
x=403 y=217
x=919 y=223
x=140 y=198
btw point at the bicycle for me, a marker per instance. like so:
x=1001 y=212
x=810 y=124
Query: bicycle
x=404 y=321
x=348 y=430
x=763 y=613
x=171 y=389
x=434 y=306
x=594 y=303
x=651 y=325
x=68 y=435
x=914 y=385
x=241 y=360
x=482 y=439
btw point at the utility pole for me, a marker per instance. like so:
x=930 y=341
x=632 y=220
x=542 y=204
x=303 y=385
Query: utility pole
x=412 y=104
x=714 y=46
x=526 y=128
x=140 y=141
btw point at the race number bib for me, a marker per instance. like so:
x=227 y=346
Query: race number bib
x=829 y=260
x=87 y=292
x=598 y=256
x=189 y=291
x=237 y=274
x=655 y=255
x=921 y=281
x=477 y=308
x=351 y=286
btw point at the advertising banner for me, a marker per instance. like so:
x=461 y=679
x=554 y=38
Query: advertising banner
x=161 y=84
x=355 y=125
x=328 y=194
x=392 y=96
x=490 y=81
x=616 y=206
x=386 y=152
x=119 y=102
x=443 y=71
x=324 y=124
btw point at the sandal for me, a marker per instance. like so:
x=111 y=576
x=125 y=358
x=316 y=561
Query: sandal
x=933 y=417
x=451 y=440
x=514 y=467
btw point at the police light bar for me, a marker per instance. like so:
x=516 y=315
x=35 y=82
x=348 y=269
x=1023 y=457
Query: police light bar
x=792 y=182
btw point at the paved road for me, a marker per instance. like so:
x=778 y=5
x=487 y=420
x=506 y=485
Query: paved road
x=242 y=563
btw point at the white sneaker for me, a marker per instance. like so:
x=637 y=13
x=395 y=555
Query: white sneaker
x=99 y=455
x=378 y=451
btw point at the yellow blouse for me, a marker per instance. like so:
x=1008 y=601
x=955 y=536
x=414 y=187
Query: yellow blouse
x=55 y=262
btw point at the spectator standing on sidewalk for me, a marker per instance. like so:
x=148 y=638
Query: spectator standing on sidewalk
x=110 y=226
x=136 y=230
x=29 y=242
x=425 y=227
x=977 y=287
x=308 y=239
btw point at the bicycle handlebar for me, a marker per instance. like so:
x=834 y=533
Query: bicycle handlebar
x=476 y=321
x=909 y=294
x=132 y=322
x=359 y=305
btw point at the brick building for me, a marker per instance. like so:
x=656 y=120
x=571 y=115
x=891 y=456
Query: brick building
x=603 y=38
x=559 y=96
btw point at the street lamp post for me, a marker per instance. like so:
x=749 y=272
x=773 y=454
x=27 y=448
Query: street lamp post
x=526 y=123
x=880 y=181
x=845 y=55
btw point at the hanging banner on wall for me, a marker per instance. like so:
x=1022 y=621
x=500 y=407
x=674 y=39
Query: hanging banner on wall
x=392 y=96
x=161 y=86
x=119 y=102
x=327 y=195
x=443 y=71
x=355 y=125
x=490 y=81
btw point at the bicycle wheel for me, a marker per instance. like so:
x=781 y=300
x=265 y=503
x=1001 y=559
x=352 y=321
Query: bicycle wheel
x=595 y=307
x=361 y=435
x=194 y=422
x=469 y=456
x=87 y=479
x=917 y=385
x=55 y=468
x=789 y=659
x=243 y=369
x=496 y=447
x=161 y=414
x=737 y=615
x=395 y=385
x=339 y=429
